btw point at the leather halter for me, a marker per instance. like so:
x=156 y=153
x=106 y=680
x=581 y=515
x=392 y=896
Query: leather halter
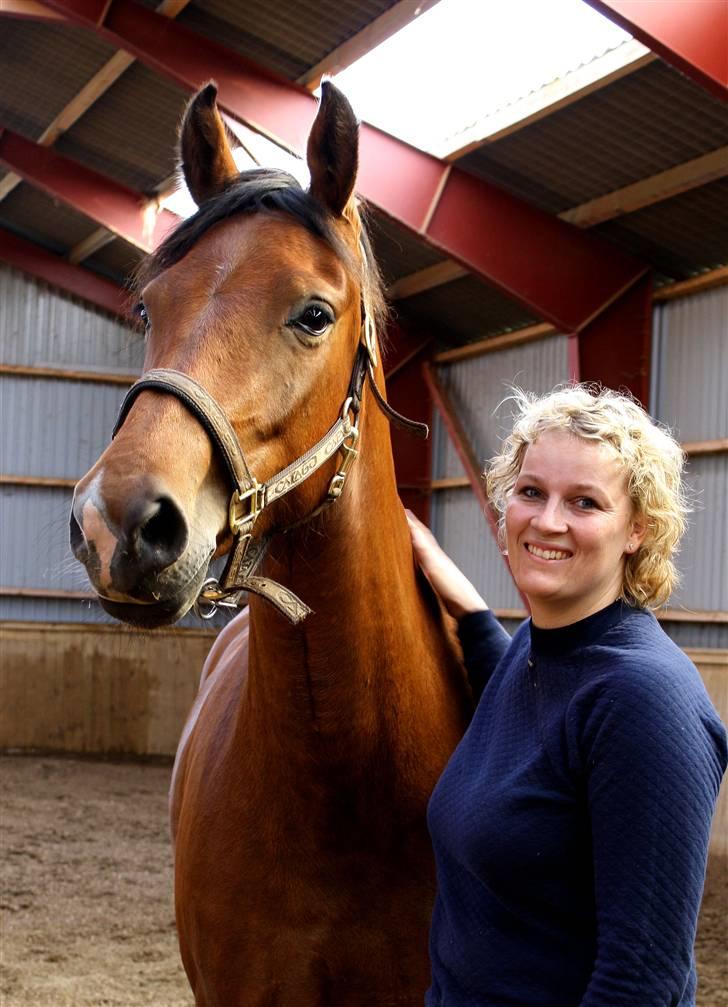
x=249 y=497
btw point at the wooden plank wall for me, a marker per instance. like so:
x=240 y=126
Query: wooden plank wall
x=713 y=667
x=104 y=690
x=108 y=690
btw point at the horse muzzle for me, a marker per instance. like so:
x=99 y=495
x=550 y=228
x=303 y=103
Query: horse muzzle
x=141 y=562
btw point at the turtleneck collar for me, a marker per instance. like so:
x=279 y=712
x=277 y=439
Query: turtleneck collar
x=553 y=642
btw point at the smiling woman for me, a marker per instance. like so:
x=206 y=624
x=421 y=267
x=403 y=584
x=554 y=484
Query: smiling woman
x=571 y=825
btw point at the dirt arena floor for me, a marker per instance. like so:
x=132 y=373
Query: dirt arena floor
x=86 y=914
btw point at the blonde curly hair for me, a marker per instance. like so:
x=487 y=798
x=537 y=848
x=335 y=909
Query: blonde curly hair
x=653 y=462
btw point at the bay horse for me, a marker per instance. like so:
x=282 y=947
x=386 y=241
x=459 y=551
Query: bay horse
x=303 y=869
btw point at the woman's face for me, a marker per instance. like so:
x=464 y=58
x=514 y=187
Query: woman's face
x=569 y=527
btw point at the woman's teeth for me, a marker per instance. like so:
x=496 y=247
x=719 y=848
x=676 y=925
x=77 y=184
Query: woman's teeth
x=547 y=553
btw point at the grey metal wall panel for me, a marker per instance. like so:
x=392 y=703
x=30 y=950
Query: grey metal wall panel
x=54 y=428
x=478 y=388
x=692 y=366
x=462 y=530
x=690 y=395
x=703 y=558
x=39 y=326
x=694 y=634
x=34 y=535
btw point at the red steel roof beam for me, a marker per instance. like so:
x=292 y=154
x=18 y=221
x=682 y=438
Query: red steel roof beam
x=691 y=35
x=564 y=275
x=56 y=271
x=126 y=213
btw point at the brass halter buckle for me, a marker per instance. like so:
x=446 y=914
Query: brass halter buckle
x=211 y=597
x=245 y=507
x=350 y=453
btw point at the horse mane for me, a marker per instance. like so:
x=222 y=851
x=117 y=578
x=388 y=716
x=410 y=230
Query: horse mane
x=269 y=190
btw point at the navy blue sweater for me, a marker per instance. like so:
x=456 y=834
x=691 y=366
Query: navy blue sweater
x=571 y=825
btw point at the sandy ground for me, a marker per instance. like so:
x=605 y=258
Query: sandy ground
x=86 y=912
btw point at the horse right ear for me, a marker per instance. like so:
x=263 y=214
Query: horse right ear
x=205 y=152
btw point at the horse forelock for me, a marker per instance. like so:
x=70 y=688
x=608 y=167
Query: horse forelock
x=266 y=190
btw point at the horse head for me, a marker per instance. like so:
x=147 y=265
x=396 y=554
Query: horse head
x=259 y=300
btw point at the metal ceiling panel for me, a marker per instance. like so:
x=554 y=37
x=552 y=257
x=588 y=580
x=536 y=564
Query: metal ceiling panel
x=46 y=221
x=680 y=236
x=635 y=127
x=463 y=311
x=130 y=133
x=42 y=66
x=398 y=251
x=287 y=36
x=117 y=260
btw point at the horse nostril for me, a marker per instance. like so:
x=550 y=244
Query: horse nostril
x=76 y=536
x=164 y=529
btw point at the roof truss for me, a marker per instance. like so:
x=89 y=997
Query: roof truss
x=436 y=200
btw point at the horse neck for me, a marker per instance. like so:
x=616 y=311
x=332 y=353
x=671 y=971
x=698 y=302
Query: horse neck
x=376 y=638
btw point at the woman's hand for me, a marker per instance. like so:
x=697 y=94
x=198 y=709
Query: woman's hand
x=451 y=585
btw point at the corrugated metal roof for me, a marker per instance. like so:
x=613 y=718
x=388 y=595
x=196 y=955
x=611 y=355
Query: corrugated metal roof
x=680 y=236
x=465 y=310
x=118 y=260
x=43 y=66
x=130 y=133
x=631 y=129
x=37 y=217
x=287 y=36
x=398 y=251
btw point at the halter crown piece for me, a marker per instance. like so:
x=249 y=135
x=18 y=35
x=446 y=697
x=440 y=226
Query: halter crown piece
x=249 y=497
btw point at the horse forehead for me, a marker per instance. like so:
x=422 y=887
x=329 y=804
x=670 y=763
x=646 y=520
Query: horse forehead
x=261 y=249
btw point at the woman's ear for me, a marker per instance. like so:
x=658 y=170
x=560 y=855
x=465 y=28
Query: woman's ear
x=333 y=150
x=205 y=152
x=637 y=533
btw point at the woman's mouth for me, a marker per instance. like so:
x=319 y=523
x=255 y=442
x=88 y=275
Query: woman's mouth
x=549 y=554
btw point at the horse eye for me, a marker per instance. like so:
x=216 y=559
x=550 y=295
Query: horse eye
x=315 y=320
x=141 y=313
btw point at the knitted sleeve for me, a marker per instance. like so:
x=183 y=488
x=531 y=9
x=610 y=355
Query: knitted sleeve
x=484 y=642
x=651 y=753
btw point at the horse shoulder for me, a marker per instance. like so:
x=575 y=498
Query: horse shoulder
x=228 y=657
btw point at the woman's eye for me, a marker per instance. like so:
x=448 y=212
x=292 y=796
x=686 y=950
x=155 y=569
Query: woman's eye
x=586 y=503
x=529 y=492
x=314 y=320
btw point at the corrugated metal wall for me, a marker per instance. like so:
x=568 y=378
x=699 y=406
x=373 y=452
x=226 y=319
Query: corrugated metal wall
x=478 y=389
x=690 y=395
x=52 y=428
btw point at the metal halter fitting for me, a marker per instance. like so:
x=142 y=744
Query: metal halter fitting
x=249 y=497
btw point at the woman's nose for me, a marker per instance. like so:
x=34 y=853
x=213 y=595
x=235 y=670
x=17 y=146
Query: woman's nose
x=550 y=517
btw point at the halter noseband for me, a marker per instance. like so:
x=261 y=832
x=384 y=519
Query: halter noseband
x=249 y=497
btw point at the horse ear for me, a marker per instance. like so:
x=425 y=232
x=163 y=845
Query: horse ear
x=205 y=153
x=333 y=150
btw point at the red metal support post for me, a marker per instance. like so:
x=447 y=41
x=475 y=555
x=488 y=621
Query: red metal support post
x=76 y=280
x=568 y=276
x=126 y=213
x=615 y=348
x=691 y=35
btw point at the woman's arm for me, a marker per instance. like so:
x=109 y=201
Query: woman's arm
x=451 y=585
x=483 y=639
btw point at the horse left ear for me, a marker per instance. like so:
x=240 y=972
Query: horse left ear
x=333 y=150
x=205 y=151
